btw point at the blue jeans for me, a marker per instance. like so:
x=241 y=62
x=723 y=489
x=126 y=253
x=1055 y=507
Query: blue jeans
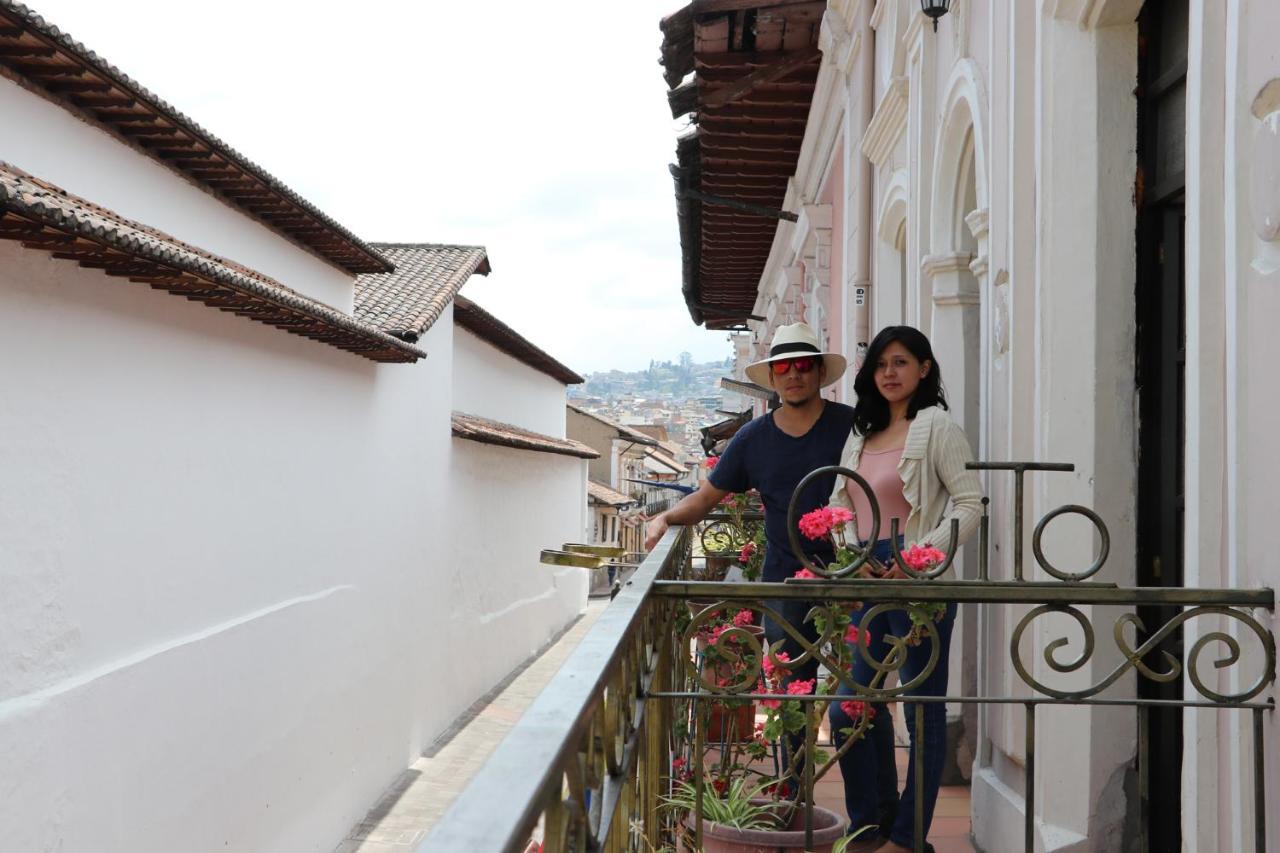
x=869 y=769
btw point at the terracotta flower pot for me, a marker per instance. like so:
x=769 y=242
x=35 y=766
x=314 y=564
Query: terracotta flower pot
x=742 y=717
x=828 y=827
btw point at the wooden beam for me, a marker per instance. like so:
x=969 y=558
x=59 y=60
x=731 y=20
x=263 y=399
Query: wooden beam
x=55 y=73
x=16 y=50
x=707 y=7
x=722 y=95
x=752 y=124
x=149 y=122
x=757 y=209
x=683 y=98
x=72 y=88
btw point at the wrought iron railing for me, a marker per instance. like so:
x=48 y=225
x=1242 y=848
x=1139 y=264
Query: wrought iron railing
x=592 y=762
x=655 y=507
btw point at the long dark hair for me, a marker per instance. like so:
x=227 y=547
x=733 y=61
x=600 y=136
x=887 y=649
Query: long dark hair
x=871 y=414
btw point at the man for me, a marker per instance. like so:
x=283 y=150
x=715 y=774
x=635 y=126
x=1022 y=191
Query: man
x=772 y=454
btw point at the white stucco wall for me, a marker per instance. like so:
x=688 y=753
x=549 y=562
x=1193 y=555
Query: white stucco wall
x=95 y=165
x=489 y=383
x=247 y=577
x=503 y=603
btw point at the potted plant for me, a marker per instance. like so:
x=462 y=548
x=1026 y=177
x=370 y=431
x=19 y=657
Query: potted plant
x=722 y=642
x=751 y=787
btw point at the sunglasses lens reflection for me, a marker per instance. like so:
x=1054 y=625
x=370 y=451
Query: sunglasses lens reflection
x=802 y=365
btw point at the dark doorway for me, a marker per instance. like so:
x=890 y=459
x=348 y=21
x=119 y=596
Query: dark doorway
x=1161 y=368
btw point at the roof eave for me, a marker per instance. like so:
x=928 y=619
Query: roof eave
x=299 y=220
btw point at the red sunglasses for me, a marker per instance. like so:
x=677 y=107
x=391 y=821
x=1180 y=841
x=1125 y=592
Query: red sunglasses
x=803 y=364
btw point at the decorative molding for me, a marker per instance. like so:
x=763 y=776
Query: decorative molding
x=964 y=115
x=1091 y=14
x=816 y=216
x=915 y=29
x=960 y=27
x=888 y=124
x=838 y=43
x=1000 y=319
x=881 y=12
x=936 y=265
x=1264 y=205
x=895 y=195
x=822 y=252
x=847 y=10
x=978 y=266
x=979 y=222
x=949 y=286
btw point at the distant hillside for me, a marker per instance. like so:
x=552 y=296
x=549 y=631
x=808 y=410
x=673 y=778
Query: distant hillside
x=673 y=380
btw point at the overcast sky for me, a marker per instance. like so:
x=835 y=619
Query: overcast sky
x=539 y=129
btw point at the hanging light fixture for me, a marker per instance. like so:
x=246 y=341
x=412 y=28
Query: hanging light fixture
x=935 y=9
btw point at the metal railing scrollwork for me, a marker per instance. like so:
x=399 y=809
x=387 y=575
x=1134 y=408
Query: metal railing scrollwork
x=648 y=700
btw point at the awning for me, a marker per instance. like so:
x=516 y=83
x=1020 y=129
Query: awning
x=751 y=389
x=717 y=435
x=656 y=465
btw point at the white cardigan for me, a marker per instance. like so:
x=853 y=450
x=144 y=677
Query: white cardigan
x=933 y=478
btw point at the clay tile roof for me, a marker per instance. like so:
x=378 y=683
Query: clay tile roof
x=624 y=432
x=481 y=323
x=43 y=216
x=754 y=66
x=408 y=301
x=486 y=431
x=600 y=493
x=63 y=68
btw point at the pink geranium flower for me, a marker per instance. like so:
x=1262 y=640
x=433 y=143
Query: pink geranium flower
x=816 y=524
x=921 y=558
x=855 y=708
x=769 y=665
x=853 y=636
x=744 y=618
x=744 y=556
x=801 y=688
x=710 y=462
x=839 y=515
x=767 y=703
x=805 y=574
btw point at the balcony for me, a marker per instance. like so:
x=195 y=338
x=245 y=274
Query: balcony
x=643 y=712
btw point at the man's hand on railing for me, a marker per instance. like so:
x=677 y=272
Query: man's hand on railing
x=654 y=528
x=692 y=509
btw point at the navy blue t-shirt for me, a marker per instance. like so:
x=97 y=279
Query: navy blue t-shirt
x=765 y=458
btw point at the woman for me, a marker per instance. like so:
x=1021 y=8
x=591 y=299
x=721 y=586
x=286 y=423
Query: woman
x=913 y=455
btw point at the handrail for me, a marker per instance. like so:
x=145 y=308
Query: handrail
x=607 y=746
x=501 y=805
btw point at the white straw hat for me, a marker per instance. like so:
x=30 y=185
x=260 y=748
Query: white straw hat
x=793 y=341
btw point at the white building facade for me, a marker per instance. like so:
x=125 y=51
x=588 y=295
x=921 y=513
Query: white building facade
x=1077 y=201
x=247 y=575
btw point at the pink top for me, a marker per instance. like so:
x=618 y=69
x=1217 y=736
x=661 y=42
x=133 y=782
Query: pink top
x=880 y=470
